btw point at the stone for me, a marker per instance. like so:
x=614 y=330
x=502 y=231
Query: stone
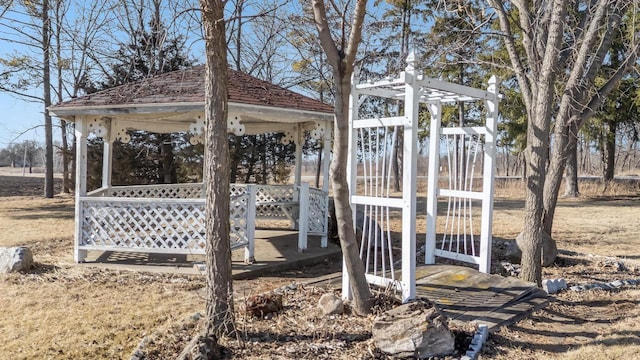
x=549 y=250
x=416 y=329
x=552 y=286
x=330 y=304
x=15 y=259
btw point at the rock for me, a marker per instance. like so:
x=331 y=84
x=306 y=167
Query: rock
x=416 y=329
x=549 y=250
x=330 y=304
x=552 y=286
x=261 y=305
x=15 y=259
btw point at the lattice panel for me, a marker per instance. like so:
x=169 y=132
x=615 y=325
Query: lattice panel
x=144 y=225
x=238 y=222
x=237 y=189
x=150 y=225
x=318 y=201
x=162 y=191
x=275 y=193
x=276 y=202
x=463 y=173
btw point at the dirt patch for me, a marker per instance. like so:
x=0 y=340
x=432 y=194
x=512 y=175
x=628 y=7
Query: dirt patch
x=64 y=311
x=13 y=183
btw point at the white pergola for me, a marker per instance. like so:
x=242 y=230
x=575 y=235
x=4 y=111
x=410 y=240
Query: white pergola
x=461 y=173
x=170 y=218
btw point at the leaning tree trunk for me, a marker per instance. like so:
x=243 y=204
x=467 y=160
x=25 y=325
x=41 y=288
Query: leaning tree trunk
x=342 y=62
x=344 y=215
x=219 y=297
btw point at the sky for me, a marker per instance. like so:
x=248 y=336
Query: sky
x=21 y=119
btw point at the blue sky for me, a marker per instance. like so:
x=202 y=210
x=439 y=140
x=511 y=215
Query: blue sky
x=18 y=116
x=22 y=120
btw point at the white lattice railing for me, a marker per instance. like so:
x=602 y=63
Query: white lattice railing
x=162 y=191
x=273 y=202
x=170 y=218
x=318 y=216
x=175 y=226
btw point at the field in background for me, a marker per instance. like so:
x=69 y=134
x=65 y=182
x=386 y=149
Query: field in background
x=65 y=311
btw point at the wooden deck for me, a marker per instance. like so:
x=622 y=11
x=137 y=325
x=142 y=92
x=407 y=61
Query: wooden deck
x=464 y=294
x=275 y=251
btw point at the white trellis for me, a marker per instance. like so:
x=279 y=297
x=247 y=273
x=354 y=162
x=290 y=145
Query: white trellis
x=461 y=172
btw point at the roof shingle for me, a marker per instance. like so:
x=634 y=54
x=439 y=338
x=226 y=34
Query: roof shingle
x=187 y=86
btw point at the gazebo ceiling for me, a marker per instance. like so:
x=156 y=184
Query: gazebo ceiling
x=177 y=95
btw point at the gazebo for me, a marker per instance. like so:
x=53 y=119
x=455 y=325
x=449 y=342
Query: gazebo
x=170 y=218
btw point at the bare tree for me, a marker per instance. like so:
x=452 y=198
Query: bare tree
x=564 y=46
x=341 y=55
x=220 y=318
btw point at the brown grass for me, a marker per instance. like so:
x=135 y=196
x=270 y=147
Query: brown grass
x=65 y=311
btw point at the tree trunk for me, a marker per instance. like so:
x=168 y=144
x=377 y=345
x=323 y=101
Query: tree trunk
x=342 y=62
x=46 y=83
x=610 y=151
x=571 y=171
x=344 y=215
x=219 y=298
x=167 y=166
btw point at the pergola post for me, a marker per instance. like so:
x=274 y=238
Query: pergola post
x=107 y=156
x=488 y=173
x=409 y=172
x=81 y=185
x=432 y=182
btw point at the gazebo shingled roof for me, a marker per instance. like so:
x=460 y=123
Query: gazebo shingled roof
x=187 y=86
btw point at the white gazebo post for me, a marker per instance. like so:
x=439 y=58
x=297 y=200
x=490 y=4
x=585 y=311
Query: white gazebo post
x=107 y=156
x=81 y=185
x=303 y=193
x=326 y=160
x=299 y=141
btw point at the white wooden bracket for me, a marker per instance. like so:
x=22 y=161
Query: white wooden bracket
x=197 y=131
x=98 y=127
x=288 y=138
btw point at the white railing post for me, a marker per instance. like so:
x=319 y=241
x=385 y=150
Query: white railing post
x=107 y=156
x=409 y=172
x=81 y=186
x=488 y=177
x=432 y=182
x=303 y=216
x=249 y=257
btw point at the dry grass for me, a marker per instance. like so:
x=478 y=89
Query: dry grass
x=64 y=311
